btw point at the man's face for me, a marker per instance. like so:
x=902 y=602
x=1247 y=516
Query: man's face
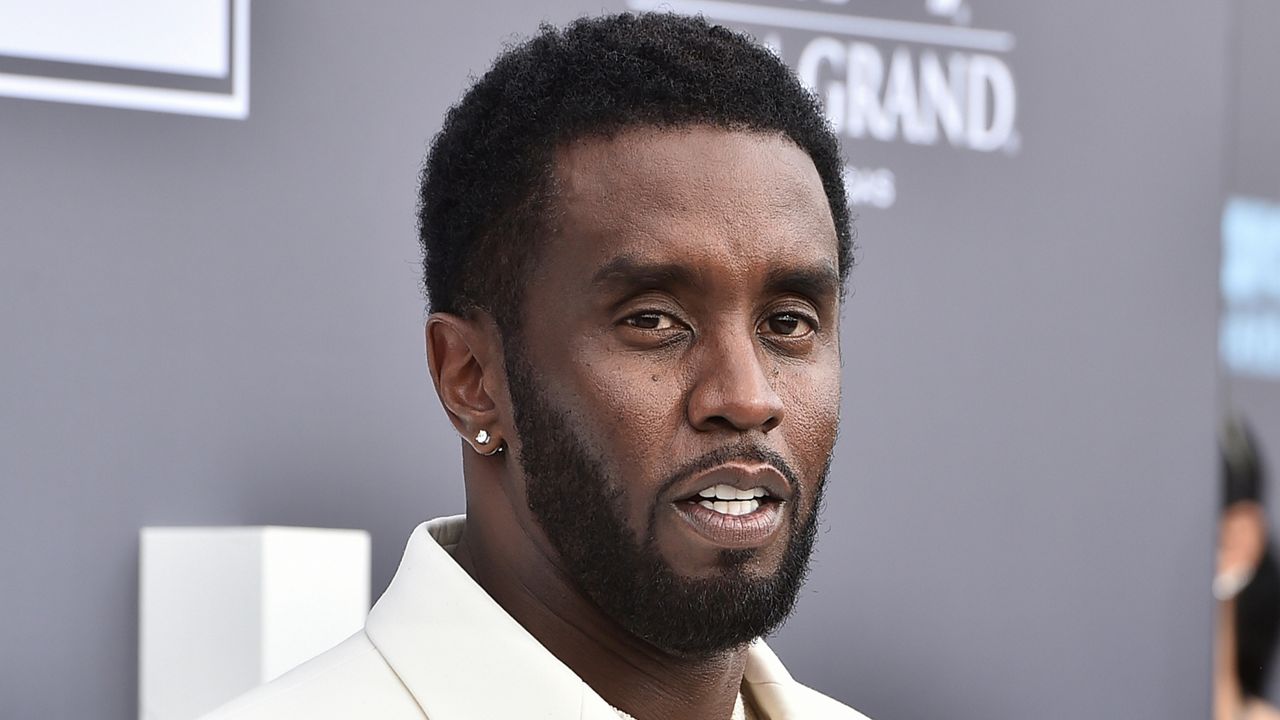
x=679 y=340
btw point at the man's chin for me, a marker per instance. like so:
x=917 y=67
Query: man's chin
x=699 y=544
x=710 y=615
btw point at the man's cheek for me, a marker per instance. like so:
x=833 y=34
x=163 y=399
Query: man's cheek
x=813 y=407
x=642 y=417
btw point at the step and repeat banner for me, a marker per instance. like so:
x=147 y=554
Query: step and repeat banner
x=1030 y=405
x=211 y=291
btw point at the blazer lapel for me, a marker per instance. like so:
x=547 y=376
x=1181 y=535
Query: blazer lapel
x=769 y=684
x=458 y=652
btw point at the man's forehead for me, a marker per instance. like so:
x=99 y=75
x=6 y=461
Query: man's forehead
x=675 y=193
x=650 y=157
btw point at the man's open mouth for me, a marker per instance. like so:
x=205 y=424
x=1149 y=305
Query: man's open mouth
x=728 y=500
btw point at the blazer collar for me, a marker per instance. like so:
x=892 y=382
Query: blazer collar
x=462 y=656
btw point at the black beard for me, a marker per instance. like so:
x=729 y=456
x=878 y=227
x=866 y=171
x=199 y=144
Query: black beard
x=581 y=510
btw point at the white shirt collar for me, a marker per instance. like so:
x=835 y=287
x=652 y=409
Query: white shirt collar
x=462 y=656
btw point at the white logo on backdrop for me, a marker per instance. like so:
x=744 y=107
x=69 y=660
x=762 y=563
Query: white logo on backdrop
x=887 y=80
x=957 y=10
x=1249 y=340
x=189 y=57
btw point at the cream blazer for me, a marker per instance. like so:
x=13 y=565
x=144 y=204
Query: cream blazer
x=427 y=651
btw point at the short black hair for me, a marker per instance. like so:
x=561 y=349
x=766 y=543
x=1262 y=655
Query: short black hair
x=1243 y=472
x=486 y=191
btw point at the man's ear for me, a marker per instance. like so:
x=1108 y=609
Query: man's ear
x=463 y=354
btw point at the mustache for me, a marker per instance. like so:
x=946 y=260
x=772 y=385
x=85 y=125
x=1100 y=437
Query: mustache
x=748 y=452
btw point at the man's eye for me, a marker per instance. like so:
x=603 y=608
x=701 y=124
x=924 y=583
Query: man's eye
x=788 y=325
x=651 y=321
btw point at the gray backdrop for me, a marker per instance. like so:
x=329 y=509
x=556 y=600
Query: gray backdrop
x=218 y=322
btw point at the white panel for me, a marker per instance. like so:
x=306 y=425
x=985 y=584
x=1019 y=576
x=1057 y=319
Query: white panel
x=189 y=37
x=226 y=609
x=316 y=593
x=200 y=601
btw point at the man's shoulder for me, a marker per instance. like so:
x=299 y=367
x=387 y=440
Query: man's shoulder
x=351 y=680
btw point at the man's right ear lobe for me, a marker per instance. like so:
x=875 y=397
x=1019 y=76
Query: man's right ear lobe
x=459 y=353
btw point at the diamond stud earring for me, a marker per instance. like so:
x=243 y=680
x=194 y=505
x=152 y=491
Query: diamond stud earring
x=484 y=438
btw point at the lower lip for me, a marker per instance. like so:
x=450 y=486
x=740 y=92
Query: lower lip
x=734 y=532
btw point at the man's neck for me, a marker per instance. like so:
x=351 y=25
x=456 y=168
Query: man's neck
x=629 y=673
x=1228 y=696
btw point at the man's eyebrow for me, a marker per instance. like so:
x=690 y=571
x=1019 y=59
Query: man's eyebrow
x=819 y=281
x=630 y=271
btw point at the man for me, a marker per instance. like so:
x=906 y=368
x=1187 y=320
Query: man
x=636 y=242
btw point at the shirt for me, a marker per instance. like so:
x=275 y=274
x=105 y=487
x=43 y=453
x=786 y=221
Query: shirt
x=436 y=646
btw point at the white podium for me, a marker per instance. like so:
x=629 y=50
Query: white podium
x=224 y=609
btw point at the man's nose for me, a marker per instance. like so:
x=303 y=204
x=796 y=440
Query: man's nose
x=734 y=391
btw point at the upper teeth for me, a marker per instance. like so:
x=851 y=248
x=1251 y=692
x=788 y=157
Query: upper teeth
x=727 y=492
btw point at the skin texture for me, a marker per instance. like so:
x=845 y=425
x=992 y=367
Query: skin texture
x=733 y=343
x=1242 y=537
